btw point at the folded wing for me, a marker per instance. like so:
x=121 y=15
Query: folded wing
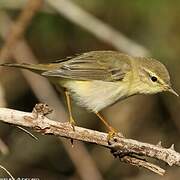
x=95 y=65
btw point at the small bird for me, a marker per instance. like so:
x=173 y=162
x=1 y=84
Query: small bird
x=98 y=79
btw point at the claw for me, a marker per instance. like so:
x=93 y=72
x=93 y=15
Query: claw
x=111 y=134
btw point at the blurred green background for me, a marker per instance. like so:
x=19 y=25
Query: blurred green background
x=154 y=24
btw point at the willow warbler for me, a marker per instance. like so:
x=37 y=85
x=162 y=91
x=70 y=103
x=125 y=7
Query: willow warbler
x=98 y=79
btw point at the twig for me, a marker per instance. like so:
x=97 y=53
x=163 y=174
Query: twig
x=128 y=147
x=2 y=167
x=141 y=163
x=27 y=132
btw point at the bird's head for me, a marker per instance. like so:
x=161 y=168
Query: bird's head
x=153 y=77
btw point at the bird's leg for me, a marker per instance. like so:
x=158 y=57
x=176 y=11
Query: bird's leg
x=111 y=131
x=68 y=100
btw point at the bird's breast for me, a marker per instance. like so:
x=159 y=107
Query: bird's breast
x=95 y=95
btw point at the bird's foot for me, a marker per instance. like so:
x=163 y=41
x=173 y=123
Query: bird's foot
x=72 y=122
x=112 y=134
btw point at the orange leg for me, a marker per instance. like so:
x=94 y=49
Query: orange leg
x=108 y=126
x=68 y=100
x=112 y=131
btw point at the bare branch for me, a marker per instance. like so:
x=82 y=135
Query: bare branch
x=128 y=150
x=141 y=163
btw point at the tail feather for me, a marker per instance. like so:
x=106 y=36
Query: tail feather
x=38 y=68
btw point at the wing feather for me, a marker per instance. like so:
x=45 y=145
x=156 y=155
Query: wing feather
x=94 y=65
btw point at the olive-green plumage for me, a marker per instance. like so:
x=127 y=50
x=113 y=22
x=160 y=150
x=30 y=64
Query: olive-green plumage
x=97 y=79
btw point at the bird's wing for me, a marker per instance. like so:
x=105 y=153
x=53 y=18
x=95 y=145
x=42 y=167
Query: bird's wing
x=95 y=65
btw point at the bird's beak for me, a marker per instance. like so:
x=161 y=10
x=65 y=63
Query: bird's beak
x=170 y=89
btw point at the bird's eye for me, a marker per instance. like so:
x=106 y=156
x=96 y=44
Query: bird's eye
x=153 y=78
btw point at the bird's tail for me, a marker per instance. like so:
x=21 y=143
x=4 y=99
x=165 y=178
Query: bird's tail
x=37 y=68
